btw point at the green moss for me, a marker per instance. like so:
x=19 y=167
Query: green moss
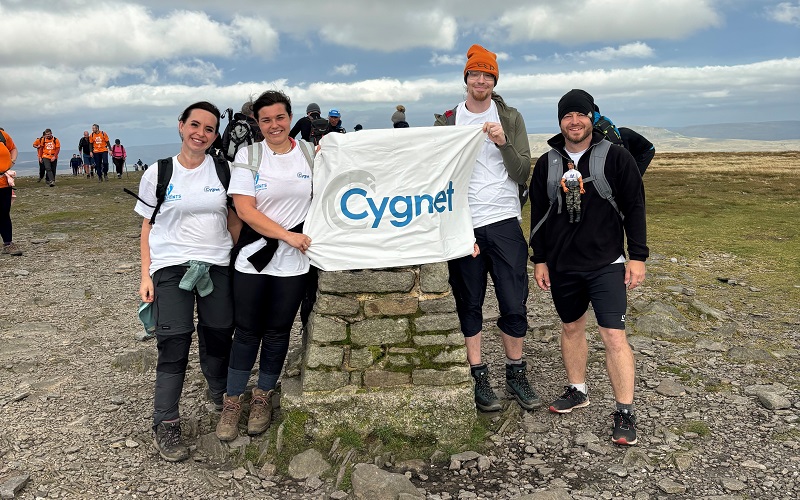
x=787 y=435
x=349 y=438
x=695 y=426
x=678 y=371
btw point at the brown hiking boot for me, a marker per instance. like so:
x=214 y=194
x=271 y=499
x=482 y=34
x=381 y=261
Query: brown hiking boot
x=228 y=425
x=11 y=249
x=260 y=412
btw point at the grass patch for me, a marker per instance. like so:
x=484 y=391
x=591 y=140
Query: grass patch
x=787 y=435
x=678 y=371
x=736 y=211
x=695 y=426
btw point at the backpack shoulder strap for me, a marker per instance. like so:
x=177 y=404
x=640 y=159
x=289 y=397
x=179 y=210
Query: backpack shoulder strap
x=597 y=173
x=164 y=176
x=309 y=151
x=254 y=153
x=555 y=169
x=223 y=171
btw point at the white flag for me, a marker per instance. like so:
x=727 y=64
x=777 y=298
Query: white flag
x=392 y=197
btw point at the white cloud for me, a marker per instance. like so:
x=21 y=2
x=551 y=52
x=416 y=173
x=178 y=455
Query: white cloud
x=503 y=56
x=195 y=70
x=447 y=59
x=530 y=58
x=129 y=35
x=637 y=50
x=260 y=36
x=345 y=69
x=600 y=20
x=785 y=12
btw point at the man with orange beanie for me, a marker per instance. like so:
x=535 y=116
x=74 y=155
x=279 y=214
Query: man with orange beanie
x=500 y=248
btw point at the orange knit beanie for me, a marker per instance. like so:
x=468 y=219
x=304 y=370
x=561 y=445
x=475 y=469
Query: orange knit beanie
x=480 y=59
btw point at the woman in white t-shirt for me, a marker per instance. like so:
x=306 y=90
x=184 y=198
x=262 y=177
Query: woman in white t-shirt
x=269 y=280
x=185 y=248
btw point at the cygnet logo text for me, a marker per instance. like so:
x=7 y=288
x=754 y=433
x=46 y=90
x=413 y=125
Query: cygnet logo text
x=359 y=208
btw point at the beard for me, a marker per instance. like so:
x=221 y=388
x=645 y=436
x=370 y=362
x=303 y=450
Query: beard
x=576 y=139
x=479 y=95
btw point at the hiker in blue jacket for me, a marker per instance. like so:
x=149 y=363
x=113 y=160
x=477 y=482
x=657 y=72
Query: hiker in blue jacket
x=585 y=261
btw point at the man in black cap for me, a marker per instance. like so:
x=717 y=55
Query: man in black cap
x=304 y=124
x=584 y=262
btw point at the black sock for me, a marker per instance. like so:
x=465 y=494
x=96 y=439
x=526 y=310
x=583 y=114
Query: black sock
x=475 y=368
x=622 y=407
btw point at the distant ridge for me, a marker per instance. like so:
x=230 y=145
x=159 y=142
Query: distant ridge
x=670 y=141
x=757 y=131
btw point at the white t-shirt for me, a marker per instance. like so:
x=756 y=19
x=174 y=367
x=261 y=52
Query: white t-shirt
x=282 y=189
x=571 y=175
x=493 y=195
x=193 y=221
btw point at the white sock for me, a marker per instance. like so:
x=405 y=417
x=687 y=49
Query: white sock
x=580 y=387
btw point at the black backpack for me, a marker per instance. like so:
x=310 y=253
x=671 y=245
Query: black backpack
x=319 y=127
x=605 y=126
x=238 y=134
x=165 y=175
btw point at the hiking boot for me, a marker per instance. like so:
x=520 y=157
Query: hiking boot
x=260 y=412
x=11 y=249
x=168 y=442
x=217 y=401
x=228 y=425
x=624 y=428
x=485 y=398
x=517 y=386
x=572 y=398
x=105 y=176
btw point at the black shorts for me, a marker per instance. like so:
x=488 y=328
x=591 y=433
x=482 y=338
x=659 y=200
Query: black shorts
x=604 y=288
x=504 y=255
x=174 y=308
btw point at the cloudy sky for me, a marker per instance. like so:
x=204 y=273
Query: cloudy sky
x=132 y=66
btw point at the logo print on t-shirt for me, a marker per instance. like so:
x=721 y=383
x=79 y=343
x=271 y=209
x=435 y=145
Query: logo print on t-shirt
x=259 y=186
x=170 y=196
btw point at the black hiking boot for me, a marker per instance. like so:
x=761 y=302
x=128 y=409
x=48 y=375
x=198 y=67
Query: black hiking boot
x=485 y=399
x=167 y=440
x=517 y=386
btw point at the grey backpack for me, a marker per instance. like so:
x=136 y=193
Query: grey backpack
x=555 y=169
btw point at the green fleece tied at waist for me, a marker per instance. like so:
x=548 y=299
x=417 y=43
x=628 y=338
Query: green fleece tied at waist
x=197 y=277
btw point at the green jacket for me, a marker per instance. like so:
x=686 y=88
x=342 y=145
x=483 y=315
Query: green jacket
x=517 y=151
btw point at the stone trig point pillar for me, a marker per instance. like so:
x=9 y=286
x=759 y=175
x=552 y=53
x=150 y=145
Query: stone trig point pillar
x=384 y=349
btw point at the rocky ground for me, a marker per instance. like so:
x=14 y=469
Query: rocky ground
x=718 y=398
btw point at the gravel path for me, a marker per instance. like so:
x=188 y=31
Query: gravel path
x=717 y=386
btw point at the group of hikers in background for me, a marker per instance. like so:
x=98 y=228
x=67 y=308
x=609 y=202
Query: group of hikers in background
x=92 y=158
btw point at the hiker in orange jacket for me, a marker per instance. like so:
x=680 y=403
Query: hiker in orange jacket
x=48 y=148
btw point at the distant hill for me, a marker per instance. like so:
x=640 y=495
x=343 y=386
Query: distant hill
x=670 y=141
x=759 y=131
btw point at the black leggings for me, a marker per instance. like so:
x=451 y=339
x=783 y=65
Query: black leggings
x=5 y=214
x=265 y=308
